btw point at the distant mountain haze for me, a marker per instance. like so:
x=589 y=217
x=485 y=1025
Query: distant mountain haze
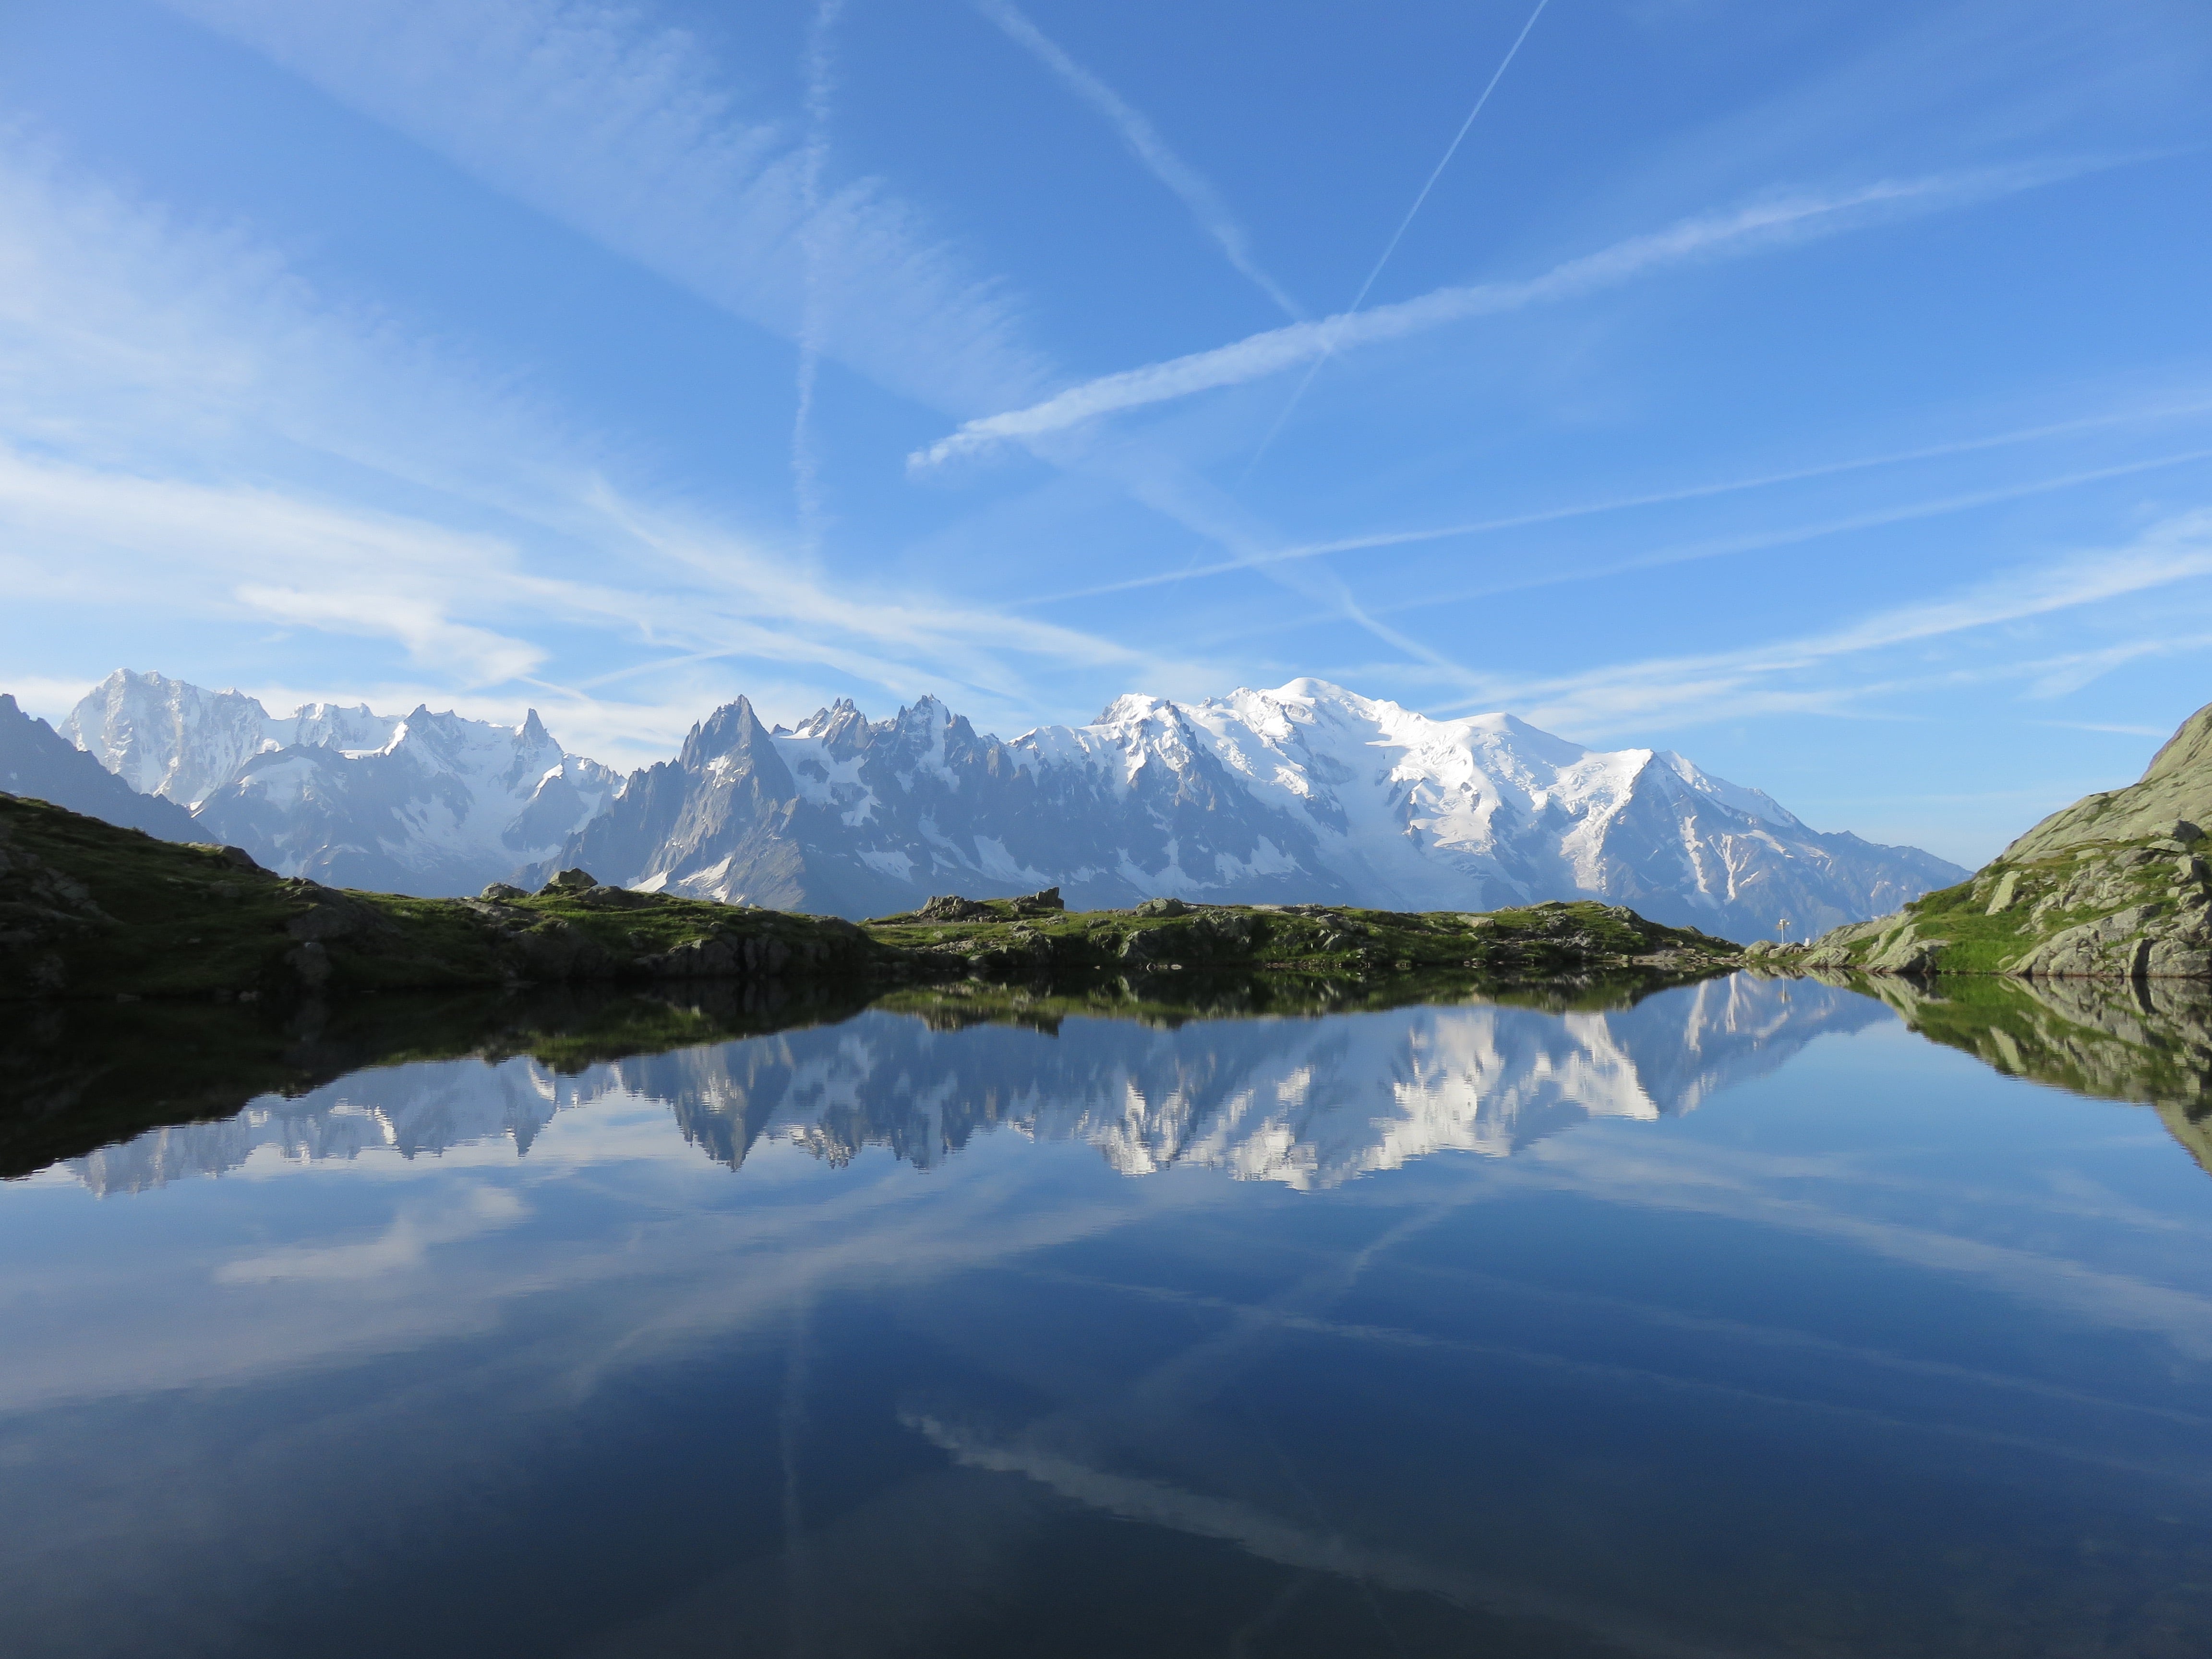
x=428 y=804
x=36 y=760
x=1307 y=793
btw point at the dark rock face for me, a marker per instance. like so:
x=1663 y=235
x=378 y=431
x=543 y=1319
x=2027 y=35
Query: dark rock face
x=38 y=762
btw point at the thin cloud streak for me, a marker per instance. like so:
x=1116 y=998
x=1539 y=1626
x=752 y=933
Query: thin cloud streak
x=806 y=461
x=1797 y=535
x=1145 y=144
x=1399 y=235
x=621 y=129
x=1678 y=690
x=1765 y=224
x=1624 y=503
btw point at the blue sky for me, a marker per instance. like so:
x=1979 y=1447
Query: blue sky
x=1824 y=391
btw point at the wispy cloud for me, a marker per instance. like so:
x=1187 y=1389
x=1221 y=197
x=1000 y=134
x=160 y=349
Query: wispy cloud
x=1386 y=538
x=405 y=1245
x=1767 y=223
x=806 y=461
x=1796 y=535
x=2062 y=676
x=1271 y=1537
x=1769 y=677
x=1145 y=144
x=621 y=129
x=190 y=433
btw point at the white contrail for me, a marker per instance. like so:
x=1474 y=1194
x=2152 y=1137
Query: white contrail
x=1404 y=224
x=1274 y=351
x=1625 y=503
x=805 y=462
x=1145 y=141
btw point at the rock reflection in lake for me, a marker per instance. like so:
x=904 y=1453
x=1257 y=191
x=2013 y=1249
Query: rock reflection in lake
x=2148 y=1040
x=1308 y=1102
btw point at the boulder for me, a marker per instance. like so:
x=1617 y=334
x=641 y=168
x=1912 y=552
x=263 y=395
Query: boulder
x=951 y=907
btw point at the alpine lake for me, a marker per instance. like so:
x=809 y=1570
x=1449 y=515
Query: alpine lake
x=1746 y=1315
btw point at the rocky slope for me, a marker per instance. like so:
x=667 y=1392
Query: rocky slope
x=89 y=910
x=2116 y=886
x=36 y=760
x=1302 y=794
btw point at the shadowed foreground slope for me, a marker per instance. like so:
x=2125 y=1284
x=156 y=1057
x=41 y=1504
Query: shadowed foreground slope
x=86 y=909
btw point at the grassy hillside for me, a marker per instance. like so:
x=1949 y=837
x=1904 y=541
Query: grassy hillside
x=2103 y=910
x=89 y=910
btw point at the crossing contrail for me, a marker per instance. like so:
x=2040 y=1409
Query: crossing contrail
x=1399 y=235
x=1146 y=144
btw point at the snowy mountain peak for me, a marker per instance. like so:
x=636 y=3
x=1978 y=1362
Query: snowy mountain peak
x=1306 y=793
x=425 y=803
x=733 y=729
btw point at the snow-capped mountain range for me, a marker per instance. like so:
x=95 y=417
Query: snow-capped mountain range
x=1306 y=1102
x=420 y=803
x=1305 y=794
x=1309 y=793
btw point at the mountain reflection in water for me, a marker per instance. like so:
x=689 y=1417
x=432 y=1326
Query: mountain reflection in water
x=971 y=1327
x=1309 y=1102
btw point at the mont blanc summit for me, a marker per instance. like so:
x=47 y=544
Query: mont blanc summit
x=1305 y=793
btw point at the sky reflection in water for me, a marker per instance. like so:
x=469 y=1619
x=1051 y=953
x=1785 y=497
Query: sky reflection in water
x=1740 y=1321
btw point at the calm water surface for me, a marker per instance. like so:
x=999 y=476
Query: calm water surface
x=1740 y=1321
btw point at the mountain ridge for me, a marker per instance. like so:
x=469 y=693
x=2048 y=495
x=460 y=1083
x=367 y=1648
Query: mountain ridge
x=38 y=761
x=430 y=803
x=1304 y=794
x=1307 y=793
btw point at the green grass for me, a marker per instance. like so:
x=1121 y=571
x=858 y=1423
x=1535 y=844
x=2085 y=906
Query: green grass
x=86 y=909
x=1975 y=942
x=1312 y=941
